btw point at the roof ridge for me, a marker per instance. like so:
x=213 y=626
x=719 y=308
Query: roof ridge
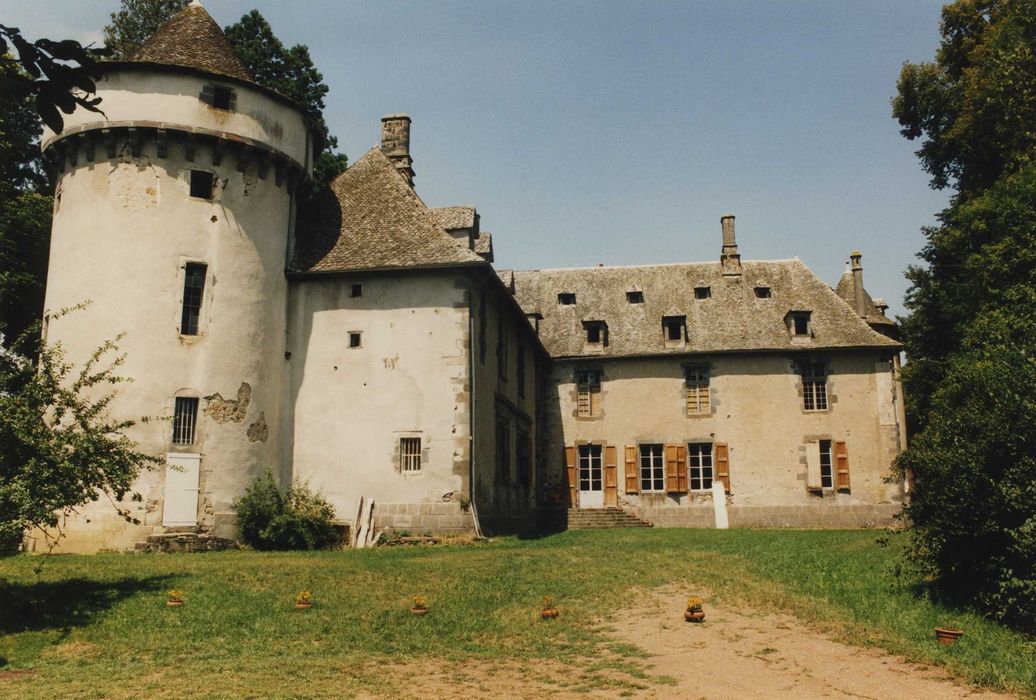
x=192 y=39
x=655 y=265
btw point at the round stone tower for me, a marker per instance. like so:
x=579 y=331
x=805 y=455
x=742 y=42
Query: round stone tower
x=172 y=218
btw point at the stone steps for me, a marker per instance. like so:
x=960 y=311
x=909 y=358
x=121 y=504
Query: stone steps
x=600 y=518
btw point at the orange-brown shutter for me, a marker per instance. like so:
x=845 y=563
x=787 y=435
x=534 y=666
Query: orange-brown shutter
x=611 y=477
x=676 y=468
x=632 y=473
x=681 y=468
x=570 y=471
x=723 y=465
x=841 y=466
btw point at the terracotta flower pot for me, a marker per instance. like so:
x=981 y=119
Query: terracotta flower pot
x=694 y=615
x=173 y=603
x=549 y=613
x=419 y=611
x=948 y=636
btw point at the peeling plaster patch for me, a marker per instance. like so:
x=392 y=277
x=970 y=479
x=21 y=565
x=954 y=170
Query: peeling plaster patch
x=131 y=187
x=224 y=410
x=259 y=431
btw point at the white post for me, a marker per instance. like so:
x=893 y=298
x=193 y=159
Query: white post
x=719 y=505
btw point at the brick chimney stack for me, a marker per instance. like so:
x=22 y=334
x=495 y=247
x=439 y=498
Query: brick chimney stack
x=730 y=258
x=860 y=301
x=395 y=142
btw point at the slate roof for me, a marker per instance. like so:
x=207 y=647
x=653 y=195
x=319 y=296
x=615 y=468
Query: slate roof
x=376 y=222
x=192 y=39
x=732 y=319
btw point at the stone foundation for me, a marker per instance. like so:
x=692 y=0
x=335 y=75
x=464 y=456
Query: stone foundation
x=811 y=517
x=435 y=518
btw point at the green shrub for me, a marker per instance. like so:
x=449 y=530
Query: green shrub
x=270 y=520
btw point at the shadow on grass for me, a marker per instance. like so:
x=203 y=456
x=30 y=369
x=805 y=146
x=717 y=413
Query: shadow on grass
x=61 y=605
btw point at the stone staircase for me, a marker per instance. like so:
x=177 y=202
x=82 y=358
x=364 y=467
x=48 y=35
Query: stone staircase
x=598 y=518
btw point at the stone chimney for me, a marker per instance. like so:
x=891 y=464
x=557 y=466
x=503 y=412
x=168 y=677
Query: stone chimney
x=861 y=302
x=729 y=258
x=395 y=142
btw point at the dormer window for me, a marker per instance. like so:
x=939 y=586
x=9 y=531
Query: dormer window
x=596 y=332
x=566 y=298
x=219 y=97
x=762 y=293
x=799 y=323
x=635 y=297
x=702 y=292
x=674 y=327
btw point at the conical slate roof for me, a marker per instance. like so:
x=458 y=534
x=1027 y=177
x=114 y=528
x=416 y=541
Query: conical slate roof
x=192 y=39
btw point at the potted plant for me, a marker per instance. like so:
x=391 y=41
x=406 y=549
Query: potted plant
x=694 y=613
x=303 y=600
x=420 y=605
x=549 y=610
x=175 y=599
x=948 y=635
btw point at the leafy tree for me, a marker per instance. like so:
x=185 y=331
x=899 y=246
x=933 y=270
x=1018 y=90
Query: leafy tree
x=58 y=75
x=59 y=448
x=135 y=22
x=25 y=214
x=970 y=337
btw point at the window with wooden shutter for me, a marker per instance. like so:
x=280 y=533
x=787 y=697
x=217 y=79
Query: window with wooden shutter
x=652 y=468
x=813 y=480
x=696 y=382
x=723 y=465
x=588 y=393
x=631 y=469
x=570 y=474
x=611 y=476
x=841 y=466
x=676 y=468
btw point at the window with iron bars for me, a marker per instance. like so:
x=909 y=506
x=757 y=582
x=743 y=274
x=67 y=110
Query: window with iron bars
x=185 y=418
x=409 y=454
x=814 y=386
x=588 y=392
x=696 y=382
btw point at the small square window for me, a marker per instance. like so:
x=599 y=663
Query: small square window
x=702 y=292
x=762 y=293
x=202 y=182
x=222 y=97
x=566 y=298
x=354 y=339
x=635 y=297
x=356 y=291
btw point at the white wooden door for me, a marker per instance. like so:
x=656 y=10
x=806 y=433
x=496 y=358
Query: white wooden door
x=181 y=489
x=591 y=476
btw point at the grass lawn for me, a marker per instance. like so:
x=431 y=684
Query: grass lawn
x=97 y=626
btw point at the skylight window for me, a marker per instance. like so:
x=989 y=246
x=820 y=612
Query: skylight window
x=702 y=292
x=566 y=298
x=635 y=297
x=762 y=293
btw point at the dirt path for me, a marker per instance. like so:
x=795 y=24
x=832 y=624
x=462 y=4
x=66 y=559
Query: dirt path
x=736 y=654
x=745 y=655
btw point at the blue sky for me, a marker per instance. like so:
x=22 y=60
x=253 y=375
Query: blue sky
x=619 y=132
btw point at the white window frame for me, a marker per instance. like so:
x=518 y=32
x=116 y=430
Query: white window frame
x=653 y=465
x=814 y=387
x=409 y=451
x=696 y=459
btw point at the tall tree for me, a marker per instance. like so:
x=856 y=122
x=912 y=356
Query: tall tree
x=135 y=21
x=970 y=338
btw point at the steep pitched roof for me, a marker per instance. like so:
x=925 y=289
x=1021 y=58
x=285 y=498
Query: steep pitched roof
x=733 y=318
x=376 y=221
x=192 y=39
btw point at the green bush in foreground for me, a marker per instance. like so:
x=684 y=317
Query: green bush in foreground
x=299 y=519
